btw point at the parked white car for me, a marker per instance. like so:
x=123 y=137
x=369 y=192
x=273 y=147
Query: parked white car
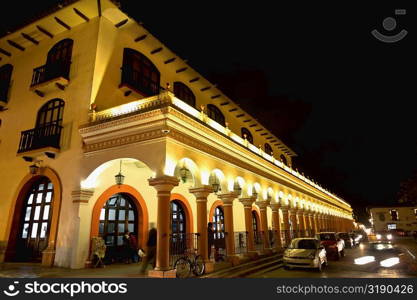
x=305 y=253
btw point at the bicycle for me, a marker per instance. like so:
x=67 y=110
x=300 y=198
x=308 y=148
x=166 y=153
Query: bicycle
x=189 y=263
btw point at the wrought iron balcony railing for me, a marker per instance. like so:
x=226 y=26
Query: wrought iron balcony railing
x=50 y=71
x=136 y=81
x=40 y=137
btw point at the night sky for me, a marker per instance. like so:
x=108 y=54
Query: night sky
x=312 y=74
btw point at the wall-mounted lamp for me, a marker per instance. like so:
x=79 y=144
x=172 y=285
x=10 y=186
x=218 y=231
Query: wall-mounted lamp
x=119 y=177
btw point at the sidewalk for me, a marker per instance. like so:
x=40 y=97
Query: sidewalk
x=31 y=270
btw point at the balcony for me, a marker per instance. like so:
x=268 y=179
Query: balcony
x=49 y=77
x=45 y=139
x=4 y=91
x=133 y=82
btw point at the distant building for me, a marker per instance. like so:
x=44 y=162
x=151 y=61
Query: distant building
x=393 y=217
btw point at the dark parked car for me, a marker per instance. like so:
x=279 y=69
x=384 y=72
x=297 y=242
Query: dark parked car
x=346 y=238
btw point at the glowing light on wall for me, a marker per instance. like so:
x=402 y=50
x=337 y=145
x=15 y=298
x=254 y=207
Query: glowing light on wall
x=205 y=175
x=92 y=180
x=364 y=260
x=230 y=184
x=387 y=263
x=170 y=165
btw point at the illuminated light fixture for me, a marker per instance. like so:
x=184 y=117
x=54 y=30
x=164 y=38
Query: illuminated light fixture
x=378 y=236
x=237 y=189
x=364 y=260
x=389 y=236
x=184 y=173
x=390 y=262
x=34 y=169
x=216 y=185
x=255 y=194
x=119 y=177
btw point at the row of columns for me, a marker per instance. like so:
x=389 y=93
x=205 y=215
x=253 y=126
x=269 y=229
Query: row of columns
x=307 y=220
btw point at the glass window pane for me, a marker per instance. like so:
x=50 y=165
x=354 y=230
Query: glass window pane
x=110 y=227
x=41 y=186
x=121 y=228
x=122 y=215
x=39 y=198
x=102 y=214
x=37 y=213
x=48 y=197
x=112 y=201
x=46 y=212
x=122 y=202
x=27 y=215
x=30 y=200
x=101 y=228
x=43 y=229
x=112 y=214
x=131 y=215
x=25 y=230
x=34 y=233
x=109 y=240
x=131 y=227
x=119 y=240
x=50 y=186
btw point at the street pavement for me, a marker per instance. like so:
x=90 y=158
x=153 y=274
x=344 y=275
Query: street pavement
x=405 y=250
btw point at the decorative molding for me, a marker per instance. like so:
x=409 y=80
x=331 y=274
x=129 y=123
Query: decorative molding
x=82 y=195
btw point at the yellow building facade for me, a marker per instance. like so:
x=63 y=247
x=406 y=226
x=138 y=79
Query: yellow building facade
x=88 y=93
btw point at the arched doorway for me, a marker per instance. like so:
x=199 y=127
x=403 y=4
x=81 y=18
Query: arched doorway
x=218 y=226
x=35 y=221
x=257 y=234
x=118 y=215
x=178 y=238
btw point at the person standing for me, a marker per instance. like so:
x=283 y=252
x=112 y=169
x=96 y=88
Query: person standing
x=210 y=237
x=150 y=251
x=133 y=243
x=126 y=252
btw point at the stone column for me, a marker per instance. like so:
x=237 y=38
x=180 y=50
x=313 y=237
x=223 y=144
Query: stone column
x=277 y=224
x=302 y=229
x=163 y=185
x=286 y=219
x=227 y=200
x=79 y=257
x=310 y=223
x=247 y=206
x=201 y=194
x=315 y=222
x=293 y=218
x=264 y=221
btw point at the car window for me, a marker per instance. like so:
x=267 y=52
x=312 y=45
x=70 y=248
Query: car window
x=304 y=244
x=327 y=237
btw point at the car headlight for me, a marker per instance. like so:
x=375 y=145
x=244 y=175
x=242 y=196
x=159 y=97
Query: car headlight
x=378 y=236
x=389 y=236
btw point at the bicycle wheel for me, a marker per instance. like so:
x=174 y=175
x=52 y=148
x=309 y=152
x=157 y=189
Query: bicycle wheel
x=183 y=267
x=199 y=266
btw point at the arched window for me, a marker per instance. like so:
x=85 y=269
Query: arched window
x=184 y=93
x=51 y=114
x=218 y=223
x=257 y=235
x=268 y=149
x=35 y=222
x=283 y=159
x=59 y=60
x=178 y=238
x=214 y=113
x=139 y=73
x=246 y=132
x=118 y=215
x=178 y=221
x=5 y=78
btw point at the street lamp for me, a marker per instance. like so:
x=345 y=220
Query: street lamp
x=119 y=177
x=184 y=173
